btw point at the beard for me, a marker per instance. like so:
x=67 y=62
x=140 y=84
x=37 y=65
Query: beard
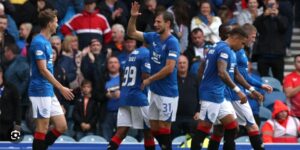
x=161 y=31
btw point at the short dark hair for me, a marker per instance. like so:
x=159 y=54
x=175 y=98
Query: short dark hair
x=13 y=47
x=224 y=30
x=196 y=30
x=46 y=16
x=85 y=82
x=298 y=55
x=238 y=31
x=167 y=16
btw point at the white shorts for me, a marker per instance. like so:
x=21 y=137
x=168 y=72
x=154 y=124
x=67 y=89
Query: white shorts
x=45 y=107
x=212 y=112
x=134 y=117
x=163 y=108
x=244 y=113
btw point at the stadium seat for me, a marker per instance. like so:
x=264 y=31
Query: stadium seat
x=271 y=97
x=242 y=139
x=179 y=139
x=129 y=139
x=64 y=139
x=92 y=139
x=272 y=82
x=264 y=114
x=27 y=139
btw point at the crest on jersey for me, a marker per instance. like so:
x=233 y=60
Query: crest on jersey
x=39 y=53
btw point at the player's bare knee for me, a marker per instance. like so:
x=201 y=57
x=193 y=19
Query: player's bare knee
x=164 y=124
x=252 y=128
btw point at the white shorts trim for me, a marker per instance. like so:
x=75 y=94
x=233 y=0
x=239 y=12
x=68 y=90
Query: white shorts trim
x=212 y=112
x=45 y=107
x=134 y=117
x=244 y=113
x=163 y=108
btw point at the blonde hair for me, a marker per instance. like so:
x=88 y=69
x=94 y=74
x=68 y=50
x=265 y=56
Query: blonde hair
x=66 y=45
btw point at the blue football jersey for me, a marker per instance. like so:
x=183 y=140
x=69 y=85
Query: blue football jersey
x=122 y=59
x=113 y=84
x=160 y=52
x=212 y=87
x=242 y=66
x=40 y=49
x=229 y=93
x=136 y=64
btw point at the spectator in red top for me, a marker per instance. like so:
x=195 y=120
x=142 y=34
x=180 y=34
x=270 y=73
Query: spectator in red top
x=88 y=25
x=291 y=86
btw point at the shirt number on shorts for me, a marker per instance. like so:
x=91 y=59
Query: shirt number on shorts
x=129 y=76
x=166 y=107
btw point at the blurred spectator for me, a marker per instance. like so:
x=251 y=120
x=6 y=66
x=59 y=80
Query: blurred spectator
x=286 y=9
x=39 y=5
x=24 y=32
x=5 y=37
x=207 y=22
x=249 y=15
x=148 y=12
x=196 y=49
x=85 y=112
x=23 y=12
x=88 y=25
x=56 y=42
x=10 y=106
x=282 y=128
x=112 y=87
x=188 y=98
x=62 y=6
x=226 y=16
x=270 y=49
x=93 y=68
x=16 y=69
x=11 y=24
x=182 y=21
x=115 y=11
x=291 y=87
x=116 y=45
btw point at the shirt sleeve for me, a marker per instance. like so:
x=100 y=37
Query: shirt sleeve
x=146 y=67
x=174 y=50
x=39 y=51
x=148 y=37
x=224 y=55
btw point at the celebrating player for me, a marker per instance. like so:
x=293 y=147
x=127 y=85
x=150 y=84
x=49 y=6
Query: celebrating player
x=164 y=52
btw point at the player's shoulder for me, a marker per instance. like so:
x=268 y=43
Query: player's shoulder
x=173 y=40
x=38 y=39
x=142 y=51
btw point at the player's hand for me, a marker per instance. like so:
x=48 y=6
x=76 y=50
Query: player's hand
x=258 y=96
x=116 y=94
x=135 y=7
x=145 y=83
x=267 y=88
x=67 y=93
x=268 y=12
x=196 y=116
x=242 y=97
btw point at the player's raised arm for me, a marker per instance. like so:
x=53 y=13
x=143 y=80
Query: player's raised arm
x=131 y=28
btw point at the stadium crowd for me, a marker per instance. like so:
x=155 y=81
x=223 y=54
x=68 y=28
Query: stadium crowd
x=91 y=46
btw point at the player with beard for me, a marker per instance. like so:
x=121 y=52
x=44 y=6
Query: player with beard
x=164 y=52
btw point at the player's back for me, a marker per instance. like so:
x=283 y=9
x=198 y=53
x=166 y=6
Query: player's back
x=40 y=49
x=136 y=64
x=211 y=86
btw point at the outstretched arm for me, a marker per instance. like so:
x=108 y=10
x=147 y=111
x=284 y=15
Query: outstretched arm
x=131 y=28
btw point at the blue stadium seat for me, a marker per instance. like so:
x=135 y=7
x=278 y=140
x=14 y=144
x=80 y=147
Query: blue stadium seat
x=242 y=139
x=179 y=139
x=130 y=139
x=271 y=97
x=264 y=114
x=27 y=139
x=272 y=82
x=64 y=139
x=92 y=139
